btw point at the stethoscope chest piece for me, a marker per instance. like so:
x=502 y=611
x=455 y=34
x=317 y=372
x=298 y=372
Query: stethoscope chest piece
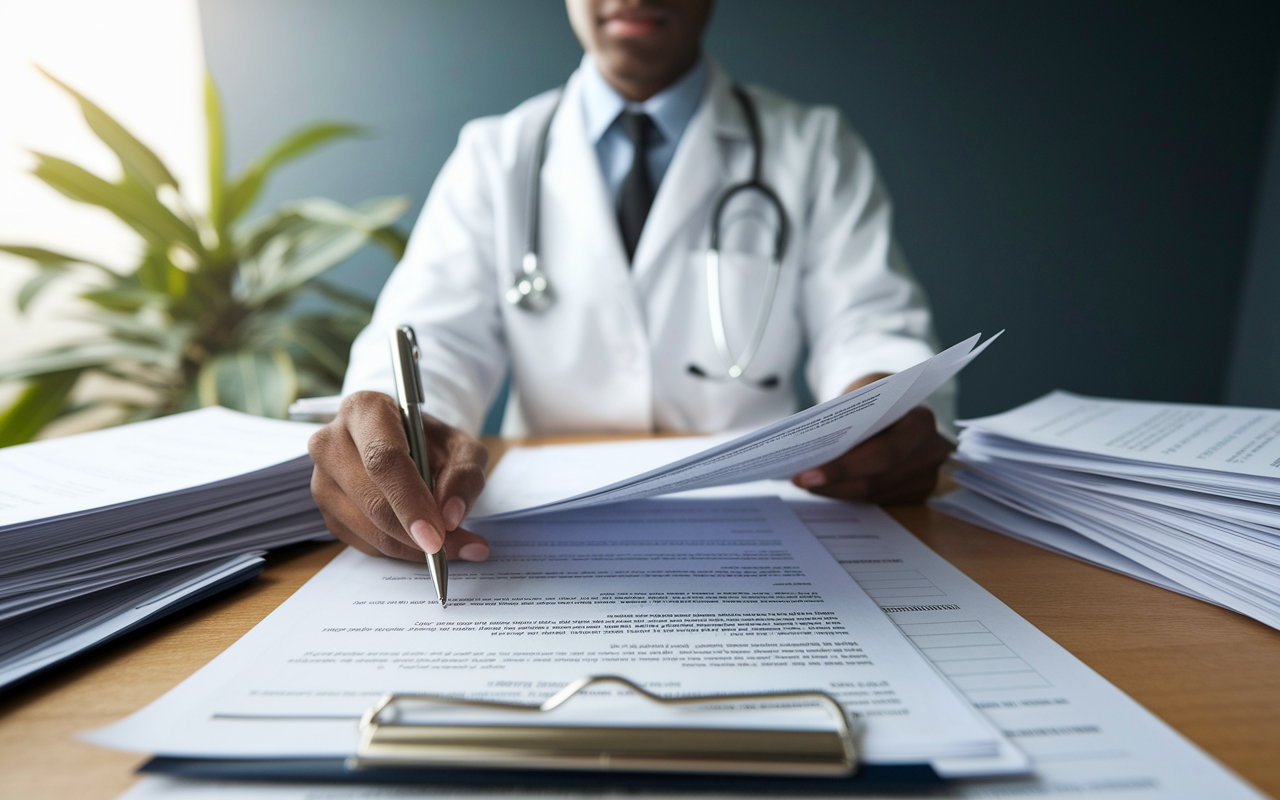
x=529 y=288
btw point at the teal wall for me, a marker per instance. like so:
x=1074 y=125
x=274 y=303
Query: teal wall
x=1084 y=174
x=1255 y=364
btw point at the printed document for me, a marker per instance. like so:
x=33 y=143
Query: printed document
x=682 y=596
x=803 y=440
x=1085 y=738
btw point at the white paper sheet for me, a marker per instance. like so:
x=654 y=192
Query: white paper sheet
x=125 y=464
x=1084 y=736
x=685 y=597
x=803 y=440
x=1233 y=450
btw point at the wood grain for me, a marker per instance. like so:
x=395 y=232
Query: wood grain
x=1211 y=674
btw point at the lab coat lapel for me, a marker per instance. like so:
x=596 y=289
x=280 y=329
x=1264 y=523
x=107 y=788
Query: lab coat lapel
x=700 y=169
x=573 y=184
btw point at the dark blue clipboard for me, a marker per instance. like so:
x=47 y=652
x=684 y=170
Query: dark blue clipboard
x=869 y=778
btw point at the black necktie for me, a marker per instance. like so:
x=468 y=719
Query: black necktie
x=637 y=191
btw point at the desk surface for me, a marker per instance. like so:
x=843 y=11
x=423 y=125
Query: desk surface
x=1210 y=673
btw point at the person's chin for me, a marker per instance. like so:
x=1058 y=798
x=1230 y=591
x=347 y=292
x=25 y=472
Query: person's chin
x=634 y=59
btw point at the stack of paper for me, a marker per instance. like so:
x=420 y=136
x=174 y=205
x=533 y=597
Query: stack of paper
x=100 y=525
x=1183 y=496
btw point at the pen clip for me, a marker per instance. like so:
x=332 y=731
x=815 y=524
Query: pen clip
x=404 y=354
x=404 y=349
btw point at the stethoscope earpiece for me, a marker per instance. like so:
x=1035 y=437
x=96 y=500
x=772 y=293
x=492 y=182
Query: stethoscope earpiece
x=529 y=288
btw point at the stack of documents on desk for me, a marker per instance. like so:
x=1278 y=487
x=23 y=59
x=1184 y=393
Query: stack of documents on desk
x=1186 y=497
x=101 y=526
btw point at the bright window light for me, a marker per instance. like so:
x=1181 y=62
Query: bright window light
x=142 y=62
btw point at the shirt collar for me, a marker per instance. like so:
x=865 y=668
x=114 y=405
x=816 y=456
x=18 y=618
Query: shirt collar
x=671 y=109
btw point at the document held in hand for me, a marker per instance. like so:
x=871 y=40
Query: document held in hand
x=787 y=447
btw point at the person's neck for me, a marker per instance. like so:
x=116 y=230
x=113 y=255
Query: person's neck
x=638 y=89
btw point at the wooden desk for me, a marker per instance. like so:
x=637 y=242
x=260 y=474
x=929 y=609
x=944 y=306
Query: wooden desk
x=1210 y=673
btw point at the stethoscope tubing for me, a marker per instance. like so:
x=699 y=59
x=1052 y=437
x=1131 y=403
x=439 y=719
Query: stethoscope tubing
x=530 y=289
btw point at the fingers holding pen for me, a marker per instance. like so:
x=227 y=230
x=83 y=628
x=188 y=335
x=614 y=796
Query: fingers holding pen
x=350 y=525
x=457 y=464
x=371 y=494
x=458 y=461
x=365 y=451
x=400 y=492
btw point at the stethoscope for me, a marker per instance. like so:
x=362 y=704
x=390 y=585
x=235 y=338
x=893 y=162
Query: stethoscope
x=530 y=289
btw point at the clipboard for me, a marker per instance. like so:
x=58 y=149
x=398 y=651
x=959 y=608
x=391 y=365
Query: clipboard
x=388 y=740
x=396 y=750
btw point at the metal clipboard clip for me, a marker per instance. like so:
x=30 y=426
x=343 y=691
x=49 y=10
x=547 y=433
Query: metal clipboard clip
x=386 y=740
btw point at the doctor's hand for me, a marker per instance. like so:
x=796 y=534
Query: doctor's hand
x=898 y=465
x=371 y=494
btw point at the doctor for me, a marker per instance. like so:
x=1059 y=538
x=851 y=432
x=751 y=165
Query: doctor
x=568 y=242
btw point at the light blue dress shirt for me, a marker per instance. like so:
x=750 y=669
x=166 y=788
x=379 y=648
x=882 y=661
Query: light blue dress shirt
x=671 y=109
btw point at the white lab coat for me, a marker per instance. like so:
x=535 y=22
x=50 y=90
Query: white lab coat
x=612 y=353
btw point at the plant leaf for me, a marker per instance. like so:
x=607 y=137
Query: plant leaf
x=257 y=382
x=38 y=404
x=319 y=235
x=392 y=240
x=137 y=159
x=324 y=339
x=147 y=216
x=242 y=192
x=217 y=156
x=47 y=274
x=127 y=299
x=153 y=272
x=157 y=273
x=340 y=295
x=315 y=252
x=87 y=355
x=50 y=258
x=368 y=216
x=146 y=329
x=301 y=215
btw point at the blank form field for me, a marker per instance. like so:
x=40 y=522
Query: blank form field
x=896 y=583
x=971 y=656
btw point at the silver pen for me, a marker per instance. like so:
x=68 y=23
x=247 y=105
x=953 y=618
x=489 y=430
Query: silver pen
x=404 y=352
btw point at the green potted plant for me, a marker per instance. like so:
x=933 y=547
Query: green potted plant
x=207 y=316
